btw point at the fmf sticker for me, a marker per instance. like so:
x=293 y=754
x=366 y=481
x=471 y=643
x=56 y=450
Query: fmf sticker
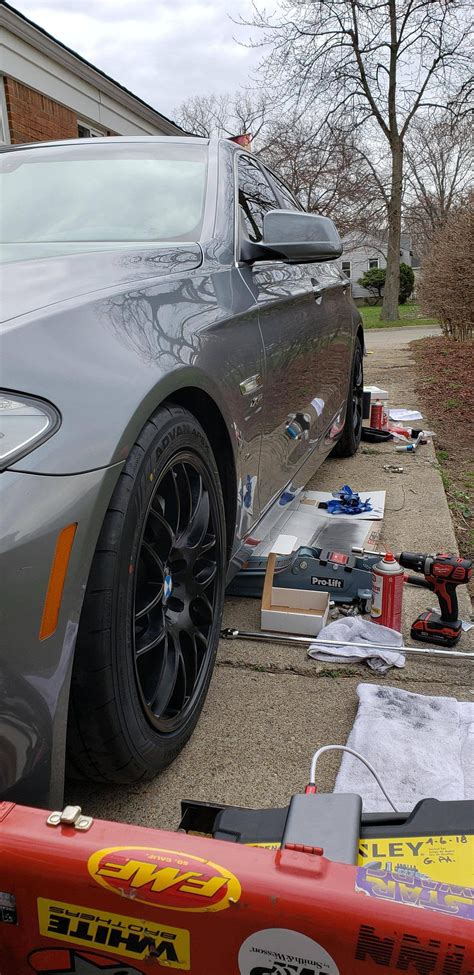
x=115 y=933
x=164 y=878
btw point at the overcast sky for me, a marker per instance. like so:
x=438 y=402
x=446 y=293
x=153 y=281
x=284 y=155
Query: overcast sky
x=162 y=50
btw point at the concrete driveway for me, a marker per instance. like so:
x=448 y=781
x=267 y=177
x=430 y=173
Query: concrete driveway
x=397 y=338
x=269 y=706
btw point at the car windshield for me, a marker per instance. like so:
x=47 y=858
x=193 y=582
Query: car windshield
x=106 y=192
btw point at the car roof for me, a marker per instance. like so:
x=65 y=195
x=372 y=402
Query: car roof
x=139 y=139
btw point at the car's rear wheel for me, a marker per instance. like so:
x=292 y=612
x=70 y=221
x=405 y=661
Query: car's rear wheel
x=349 y=442
x=152 y=611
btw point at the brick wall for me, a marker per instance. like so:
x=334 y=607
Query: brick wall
x=32 y=117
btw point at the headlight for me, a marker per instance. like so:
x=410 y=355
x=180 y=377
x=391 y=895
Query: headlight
x=25 y=422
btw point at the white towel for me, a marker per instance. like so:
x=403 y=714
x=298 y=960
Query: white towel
x=355 y=629
x=420 y=746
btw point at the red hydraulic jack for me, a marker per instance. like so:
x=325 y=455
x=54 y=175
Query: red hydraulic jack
x=86 y=897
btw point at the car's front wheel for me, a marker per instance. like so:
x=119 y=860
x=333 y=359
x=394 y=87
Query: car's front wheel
x=151 y=618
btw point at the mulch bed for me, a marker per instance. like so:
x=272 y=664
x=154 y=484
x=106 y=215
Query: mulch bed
x=446 y=389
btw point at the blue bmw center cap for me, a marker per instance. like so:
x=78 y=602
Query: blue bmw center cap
x=167 y=586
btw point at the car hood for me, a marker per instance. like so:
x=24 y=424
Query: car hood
x=31 y=279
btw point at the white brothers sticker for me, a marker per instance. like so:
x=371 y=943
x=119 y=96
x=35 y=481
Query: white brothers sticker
x=279 y=951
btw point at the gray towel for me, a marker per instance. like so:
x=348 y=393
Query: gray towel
x=356 y=629
x=420 y=746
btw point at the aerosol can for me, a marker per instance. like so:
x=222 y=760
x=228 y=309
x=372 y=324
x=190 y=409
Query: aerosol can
x=387 y=592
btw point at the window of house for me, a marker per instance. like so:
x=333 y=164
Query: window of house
x=84 y=131
x=256 y=197
x=346 y=268
x=373 y=262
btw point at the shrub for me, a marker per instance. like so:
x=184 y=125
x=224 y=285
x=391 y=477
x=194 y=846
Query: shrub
x=407 y=281
x=446 y=288
x=374 y=280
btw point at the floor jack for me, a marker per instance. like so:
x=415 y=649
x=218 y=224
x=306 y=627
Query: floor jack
x=315 y=888
x=347 y=577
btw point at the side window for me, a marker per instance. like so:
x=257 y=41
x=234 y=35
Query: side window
x=289 y=202
x=256 y=197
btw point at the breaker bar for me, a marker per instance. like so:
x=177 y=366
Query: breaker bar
x=305 y=641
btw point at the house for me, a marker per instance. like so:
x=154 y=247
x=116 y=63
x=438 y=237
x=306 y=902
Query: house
x=48 y=91
x=365 y=251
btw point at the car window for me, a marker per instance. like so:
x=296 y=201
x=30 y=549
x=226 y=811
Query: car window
x=289 y=202
x=256 y=197
x=103 y=192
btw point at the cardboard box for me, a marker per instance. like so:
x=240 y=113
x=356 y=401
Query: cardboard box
x=298 y=611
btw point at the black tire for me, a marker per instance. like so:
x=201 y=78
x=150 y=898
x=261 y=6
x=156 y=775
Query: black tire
x=349 y=442
x=150 y=618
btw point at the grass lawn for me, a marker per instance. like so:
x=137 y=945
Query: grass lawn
x=409 y=315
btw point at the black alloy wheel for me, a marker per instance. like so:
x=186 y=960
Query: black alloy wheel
x=152 y=613
x=175 y=592
x=349 y=442
x=357 y=393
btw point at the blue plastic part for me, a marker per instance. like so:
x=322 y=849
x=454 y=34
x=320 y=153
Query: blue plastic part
x=347 y=502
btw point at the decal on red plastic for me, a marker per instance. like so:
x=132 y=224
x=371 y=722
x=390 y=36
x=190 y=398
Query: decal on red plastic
x=118 y=934
x=66 y=961
x=276 y=951
x=7 y=907
x=165 y=878
x=405 y=885
x=408 y=952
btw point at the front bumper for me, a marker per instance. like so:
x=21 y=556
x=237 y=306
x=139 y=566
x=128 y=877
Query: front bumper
x=35 y=674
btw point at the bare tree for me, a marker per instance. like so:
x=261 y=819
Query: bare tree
x=323 y=166
x=376 y=64
x=439 y=171
x=227 y=115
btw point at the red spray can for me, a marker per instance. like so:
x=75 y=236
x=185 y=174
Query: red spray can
x=377 y=415
x=387 y=592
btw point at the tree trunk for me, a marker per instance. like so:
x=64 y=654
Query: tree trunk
x=389 y=311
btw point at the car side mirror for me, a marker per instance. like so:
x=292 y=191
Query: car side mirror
x=296 y=237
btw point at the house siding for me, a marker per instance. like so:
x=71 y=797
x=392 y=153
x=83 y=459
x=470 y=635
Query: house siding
x=359 y=255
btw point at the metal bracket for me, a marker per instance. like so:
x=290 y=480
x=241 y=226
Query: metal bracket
x=70 y=816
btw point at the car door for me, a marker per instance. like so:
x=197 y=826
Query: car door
x=299 y=398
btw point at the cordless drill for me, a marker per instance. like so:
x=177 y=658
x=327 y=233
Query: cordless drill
x=442 y=574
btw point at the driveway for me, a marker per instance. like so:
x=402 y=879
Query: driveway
x=397 y=338
x=269 y=706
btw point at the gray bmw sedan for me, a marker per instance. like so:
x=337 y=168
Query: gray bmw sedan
x=178 y=350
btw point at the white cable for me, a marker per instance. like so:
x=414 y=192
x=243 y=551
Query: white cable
x=344 y=748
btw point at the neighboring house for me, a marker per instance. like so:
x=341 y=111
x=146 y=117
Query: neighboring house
x=47 y=91
x=364 y=251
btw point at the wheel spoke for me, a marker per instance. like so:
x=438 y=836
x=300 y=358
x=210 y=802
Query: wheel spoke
x=170 y=495
x=200 y=610
x=185 y=496
x=200 y=521
x=205 y=572
x=168 y=677
x=160 y=533
x=150 y=636
x=149 y=586
x=154 y=601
